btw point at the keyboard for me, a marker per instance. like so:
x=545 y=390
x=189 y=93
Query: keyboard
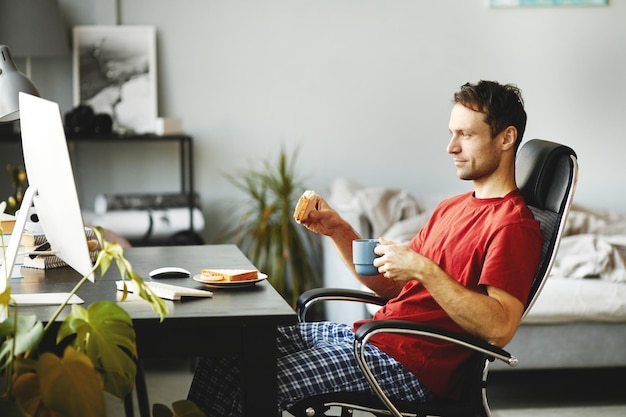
x=167 y=291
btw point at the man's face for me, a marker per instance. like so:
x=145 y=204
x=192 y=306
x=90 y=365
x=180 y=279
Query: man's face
x=476 y=155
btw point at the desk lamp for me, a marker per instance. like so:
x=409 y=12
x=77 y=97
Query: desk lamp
x=12 y=81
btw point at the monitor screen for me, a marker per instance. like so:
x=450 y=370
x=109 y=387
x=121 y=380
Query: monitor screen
x=51 y=182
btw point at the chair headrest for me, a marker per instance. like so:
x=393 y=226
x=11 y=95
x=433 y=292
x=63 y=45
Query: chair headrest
x=543 y=173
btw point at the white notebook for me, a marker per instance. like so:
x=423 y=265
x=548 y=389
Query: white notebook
x=50 y=298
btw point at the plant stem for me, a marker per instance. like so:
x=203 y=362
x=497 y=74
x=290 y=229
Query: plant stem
x=74 y=290
x=11 y=370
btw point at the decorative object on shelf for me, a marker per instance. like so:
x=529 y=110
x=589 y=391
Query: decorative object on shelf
x=82 y=120
x=267 y=232
x=115 y=73
x=143 y=217
x=144 y=201
x=169 y=126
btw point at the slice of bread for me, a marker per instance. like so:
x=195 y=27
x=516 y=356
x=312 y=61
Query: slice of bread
x=230 y=274
x=306 y=203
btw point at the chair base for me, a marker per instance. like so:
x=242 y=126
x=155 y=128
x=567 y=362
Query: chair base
x=318 y=405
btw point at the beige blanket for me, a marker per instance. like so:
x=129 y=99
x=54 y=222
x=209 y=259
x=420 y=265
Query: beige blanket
x=379 y=212
x=593 y=246
x=591 y=256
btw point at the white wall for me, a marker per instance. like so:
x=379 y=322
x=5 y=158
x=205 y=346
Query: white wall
x=363 y=87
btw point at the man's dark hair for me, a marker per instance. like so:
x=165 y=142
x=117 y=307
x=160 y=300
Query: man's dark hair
x=502 y=105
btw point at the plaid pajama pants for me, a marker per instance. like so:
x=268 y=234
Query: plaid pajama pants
x=313 y=358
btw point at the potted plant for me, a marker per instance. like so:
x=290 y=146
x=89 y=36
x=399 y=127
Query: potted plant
x=267 y=232
x=97 y=351
x=17 y=175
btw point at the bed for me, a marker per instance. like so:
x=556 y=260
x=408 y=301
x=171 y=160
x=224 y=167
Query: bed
x=579 y=319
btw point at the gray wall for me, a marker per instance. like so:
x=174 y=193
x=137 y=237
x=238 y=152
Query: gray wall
x=361 y=87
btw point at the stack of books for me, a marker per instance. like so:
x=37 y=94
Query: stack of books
x=34 y=243
x=7 y=222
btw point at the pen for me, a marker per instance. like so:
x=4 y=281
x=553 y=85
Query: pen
x=42 y=249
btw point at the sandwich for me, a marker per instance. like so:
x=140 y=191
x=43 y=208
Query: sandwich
x=306 y=204
x=229 y=274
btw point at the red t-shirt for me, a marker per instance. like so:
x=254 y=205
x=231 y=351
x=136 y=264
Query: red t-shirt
x=479 y=242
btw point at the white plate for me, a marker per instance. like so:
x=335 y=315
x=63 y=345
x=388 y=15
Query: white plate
x=229 y=284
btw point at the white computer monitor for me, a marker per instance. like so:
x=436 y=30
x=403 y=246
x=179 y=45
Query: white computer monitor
x=51 y=188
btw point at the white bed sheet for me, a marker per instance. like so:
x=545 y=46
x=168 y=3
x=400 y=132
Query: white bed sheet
x=567 y=300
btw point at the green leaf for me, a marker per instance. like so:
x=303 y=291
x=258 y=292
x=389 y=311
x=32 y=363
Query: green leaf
x=161 y=410
x=5 y=296
x=145 y=292
x=26 y=392
x=105 y=334
x=71 y=386
x=23 y=335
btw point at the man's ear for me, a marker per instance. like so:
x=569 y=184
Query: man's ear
x=509 y=136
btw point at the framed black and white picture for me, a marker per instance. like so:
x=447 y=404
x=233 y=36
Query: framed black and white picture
x=115 y=73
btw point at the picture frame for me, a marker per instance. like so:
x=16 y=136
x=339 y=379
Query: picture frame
x=532 y=3
x=115 y=73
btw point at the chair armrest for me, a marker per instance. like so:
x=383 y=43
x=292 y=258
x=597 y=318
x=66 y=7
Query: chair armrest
x=310 y=297
x=369 y=329
x=372 y=328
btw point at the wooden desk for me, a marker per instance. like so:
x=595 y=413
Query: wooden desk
x=241 y=321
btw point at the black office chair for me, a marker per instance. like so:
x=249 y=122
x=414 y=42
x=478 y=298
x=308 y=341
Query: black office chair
x=546 y=173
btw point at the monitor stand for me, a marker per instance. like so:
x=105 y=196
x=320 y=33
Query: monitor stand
x=11 y=255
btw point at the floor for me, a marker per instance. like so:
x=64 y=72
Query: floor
x=563 y=393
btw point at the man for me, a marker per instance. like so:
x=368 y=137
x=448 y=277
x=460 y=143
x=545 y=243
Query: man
x=469 y=269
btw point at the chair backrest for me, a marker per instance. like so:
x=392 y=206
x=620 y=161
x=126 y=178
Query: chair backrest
x=546 y=174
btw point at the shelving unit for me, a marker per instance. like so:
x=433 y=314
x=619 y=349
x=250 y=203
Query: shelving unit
x=185 y=162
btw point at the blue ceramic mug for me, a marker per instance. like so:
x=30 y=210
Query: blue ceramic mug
x=363 y=256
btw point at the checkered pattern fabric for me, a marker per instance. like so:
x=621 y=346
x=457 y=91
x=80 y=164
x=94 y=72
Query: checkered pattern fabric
x=313 y=358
